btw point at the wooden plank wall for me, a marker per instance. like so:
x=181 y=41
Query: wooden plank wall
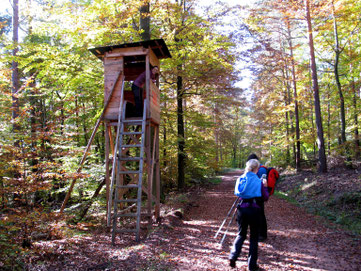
x=112 y=65
x=154 y=103
x=113 y=62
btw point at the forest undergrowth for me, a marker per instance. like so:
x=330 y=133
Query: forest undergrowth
x=335 y=195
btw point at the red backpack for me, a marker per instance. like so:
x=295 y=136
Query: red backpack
x=272 y=177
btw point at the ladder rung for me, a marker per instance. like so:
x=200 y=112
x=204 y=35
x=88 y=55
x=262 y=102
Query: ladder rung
x=130 y=158
x=129 y=172
x=125 y=230
x=132 y=146
x=132 y=133
x=126 y=200
x=127 y=215
x=127 y=186
x=137 y=122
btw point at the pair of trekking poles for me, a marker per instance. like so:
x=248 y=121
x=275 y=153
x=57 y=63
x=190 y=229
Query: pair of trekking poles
x=232 y=211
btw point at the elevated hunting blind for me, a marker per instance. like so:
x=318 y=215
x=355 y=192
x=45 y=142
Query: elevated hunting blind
x=132 y=173
x=132 y=152
x=134 y=157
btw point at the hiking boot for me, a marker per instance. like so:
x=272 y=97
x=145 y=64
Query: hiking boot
x=232 y=263
x=262 y=239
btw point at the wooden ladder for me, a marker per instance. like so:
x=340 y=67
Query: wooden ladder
x=127 y=173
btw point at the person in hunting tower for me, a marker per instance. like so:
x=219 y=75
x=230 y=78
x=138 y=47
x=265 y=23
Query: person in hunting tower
x=137 y=89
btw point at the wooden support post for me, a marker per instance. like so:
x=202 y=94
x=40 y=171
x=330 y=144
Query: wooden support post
x=149 y=168
x=151 y=174
x=147 y=84
x=111 y=141
x=107 y=152
x=157 y=180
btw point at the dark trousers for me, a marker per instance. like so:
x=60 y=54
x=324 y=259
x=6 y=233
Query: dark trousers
x=263 y=225
x=247 y=217
x=138 y=99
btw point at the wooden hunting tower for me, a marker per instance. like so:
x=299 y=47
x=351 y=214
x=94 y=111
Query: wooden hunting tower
x=131 y=143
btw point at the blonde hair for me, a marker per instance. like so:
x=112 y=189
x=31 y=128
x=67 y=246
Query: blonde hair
x=252 y=165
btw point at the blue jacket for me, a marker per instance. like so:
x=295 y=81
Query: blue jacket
x=252 y=189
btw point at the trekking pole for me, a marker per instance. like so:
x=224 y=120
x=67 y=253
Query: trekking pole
x=224 y=221
x=229 y=224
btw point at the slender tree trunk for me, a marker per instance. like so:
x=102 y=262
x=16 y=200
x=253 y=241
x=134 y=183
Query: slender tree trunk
x=181 y=140
x=288 y=153
x=286 y=99
x=312 y=122
x=355 y=117
x=328 y=123
x=220 y=151
x=85 y=130
x=165 y=140
x=354 y=104
x=33 y=124
x=292 y=127
x=77 y=121
x=15 y=70
x=337 y=78
x=217 y=144
x=235 y=146
x=33 y=109
x=180 y=115
x=297 y=123
x=15 y=89
x=320 y=140
x=62 y=116
x=90 y=201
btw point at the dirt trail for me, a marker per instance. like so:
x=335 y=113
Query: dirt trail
x=297 y=241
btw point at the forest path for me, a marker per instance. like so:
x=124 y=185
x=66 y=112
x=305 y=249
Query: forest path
x=296 y=241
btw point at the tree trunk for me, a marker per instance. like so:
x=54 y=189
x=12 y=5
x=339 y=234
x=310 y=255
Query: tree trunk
x=355 y=117
x=288 y=152
x=320 y=141
x=15 y=89
x=287 y=117
x=90 y=201
x=292 y=127
x=297 y=121
x=328 y=123
x=180 y=116
x=312 y=121
x=337 y=78
x=15 y=69
x=85 y=130
x=165 y=140
x=144 y=21
x=217 y=144
x=181 y=141
x=354 y=105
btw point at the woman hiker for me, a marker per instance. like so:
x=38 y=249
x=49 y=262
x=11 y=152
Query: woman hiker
x=263 y=228
x=251 y=191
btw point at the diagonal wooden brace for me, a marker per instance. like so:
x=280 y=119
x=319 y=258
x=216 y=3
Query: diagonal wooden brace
x=85 y=154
